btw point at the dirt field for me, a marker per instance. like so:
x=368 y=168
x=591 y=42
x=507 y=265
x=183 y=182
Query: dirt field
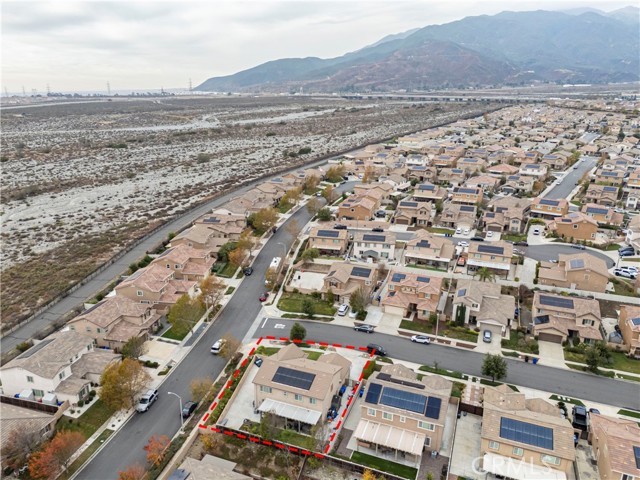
x=76 y=175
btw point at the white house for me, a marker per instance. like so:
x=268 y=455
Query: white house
x=65 y=364
x=374 y=245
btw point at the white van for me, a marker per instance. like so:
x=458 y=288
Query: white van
x=344 y=308
x=216 y=348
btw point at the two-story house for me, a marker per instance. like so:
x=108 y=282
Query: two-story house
x=402 y=416
x=467 y=195
x=429 y=249
x=536 y=170
x=557 y=318
x=555 y=161
x=452 y=176
x=225 y=224
x=604 y=195
x=329 y=242
x=456 y=215
x=428 y=192
x=482 y=304
x=629 y=323
x=471 y=164
x=422 y=173
x=609 y=177
x=410 y=294
x=381 y=191
x=65 y=363
x=201 y=237
x=358 y=207
x=374 y=245
x=413 y=213
x=444 y=161
x=581 y=271
x=576 y=225
x=524 y=437
x=486 y=182
x=502 y=170
x=549 y=209
x=615 y=447
x=344 y=278
x=496 y=256
x=296 y=390
x=519 y=184
x=115 y=320
x=603 y=215
x=186 y=262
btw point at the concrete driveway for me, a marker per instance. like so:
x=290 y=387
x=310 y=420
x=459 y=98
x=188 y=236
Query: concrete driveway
x=552 y=354
x=466 y=447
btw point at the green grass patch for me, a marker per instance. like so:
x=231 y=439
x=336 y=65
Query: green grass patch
x=629 y=413
x=372 y=367
x=267 y=351
x=612 y=247
x=622 y=287
x=313 y=355
x=175 y=334
x=458 y=388
x=506 y=353
x=627 y=377
x=460 y=333
x=284 y=208
x=517 y=341
x=228 y=271
x=583 y=368
x=514 y=237
x=442 y=371
x=423 y=327
x=440 y=230
x=230 y=290
x=620 y=361
x=572 y=401
x=84 y=456
x=426 y=267
x=294 y=438
x=394 y=468
x=89 y=421
x=302 y=316
x=292 y=302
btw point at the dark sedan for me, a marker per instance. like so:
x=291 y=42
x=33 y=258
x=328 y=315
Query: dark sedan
x=188 y=409
x=363 y=328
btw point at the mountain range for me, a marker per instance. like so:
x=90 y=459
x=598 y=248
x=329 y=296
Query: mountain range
x=510 y=48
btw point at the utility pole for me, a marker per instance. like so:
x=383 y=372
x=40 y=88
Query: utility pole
x=48 y=89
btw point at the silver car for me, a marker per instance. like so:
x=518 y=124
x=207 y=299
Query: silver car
x=146 y=400
x=421 y=339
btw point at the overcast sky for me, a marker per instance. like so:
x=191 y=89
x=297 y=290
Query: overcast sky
x=82 y=45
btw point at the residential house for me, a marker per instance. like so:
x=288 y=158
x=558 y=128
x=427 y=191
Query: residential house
x=603 y=215
x=485 y=182
x=557 y=318
x=496 y=256
x=549 y=209
x=344 y=278
x=574 y=225
x=633 y=181
x=251 y=202
x=632 y=237
x=513 y=212
x=451 y=176
x=502 y=170
x=329 y=242
x=518 y=184
x=471 y=164
x=483 y=305
x=455 y=150
x=298 y=391
x=481 y=153
x=413 y=213
x=114 y=320
x=456 y=215
x=444 y=161
x=374 y=245
x=581 y=271
x=524 y=438
x=155 y=285
x=382 y=191
x=536 y=170
x=358 y=207
x=609 y=177
x=429 y=249
x=402 y=415
x=615 y=447
x=467 y=195
x=604 y=195
x=201 y=237
x=65 y=363
x=397 y=182
x=410 y=294
x=629 y=323
x=428 y=192
x=186 y=262
x=423 y=173
x=555 y=161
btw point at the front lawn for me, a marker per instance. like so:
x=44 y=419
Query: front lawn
x=89 y=421
x=622 y=287
x=517 y=341
x=440 y=230
x=267 y=351
x=423 y=327
x=175 y=334
x=284 y=208
x=313 y=355
x=629 y=413
x=514 y=237
x=384 y=465
x=292 y=302
x=573 y=401
x=620 y=361
x=228 y=270
x=460 y=333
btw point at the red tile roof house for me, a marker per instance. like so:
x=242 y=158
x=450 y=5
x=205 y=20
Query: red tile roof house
x=188 y=263
x=604 y=195
x=557 y=318
x=410 y=294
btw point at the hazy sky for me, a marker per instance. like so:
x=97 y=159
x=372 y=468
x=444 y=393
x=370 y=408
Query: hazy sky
x=82 y=45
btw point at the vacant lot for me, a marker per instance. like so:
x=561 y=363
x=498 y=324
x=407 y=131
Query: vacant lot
x=75 y=173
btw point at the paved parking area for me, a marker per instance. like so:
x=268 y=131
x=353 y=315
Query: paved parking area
x=466 y=447
x=307 y=280
x=552 y=354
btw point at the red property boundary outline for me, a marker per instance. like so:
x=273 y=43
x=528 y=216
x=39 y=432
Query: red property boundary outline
x=254 y=439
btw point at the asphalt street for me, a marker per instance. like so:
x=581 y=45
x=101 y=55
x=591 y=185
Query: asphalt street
x=569 y=181
x=546 y=378
x=126 y=446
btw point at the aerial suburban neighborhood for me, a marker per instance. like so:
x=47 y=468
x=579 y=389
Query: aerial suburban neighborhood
x=461 y=302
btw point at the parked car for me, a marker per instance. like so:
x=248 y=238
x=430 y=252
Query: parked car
x=489 y=234
x=463 y=244
x=343 y=309
x=486 y=336
x=377 y=229
x=377 y=348
x=626 y=253
x=264 y=296
x=521 y=244
x=629 y=269
x=594 y=410
x=339 y=226
x=477 y=239
x=536 y=231
x=578 y=246
x=618 y=272
x=579 y=417
x=466 y=231
x=217 y=347
x=258 y=361
x=188 y=408
x=248 y=271
x=420 y=339
x=146 y=400
x=458 y=231
x=363 y=328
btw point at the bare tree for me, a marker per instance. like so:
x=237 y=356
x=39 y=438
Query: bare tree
x=20 y=443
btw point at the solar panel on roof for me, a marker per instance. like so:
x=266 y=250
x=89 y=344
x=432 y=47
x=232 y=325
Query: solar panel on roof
x=636 y=454
x=294 y=378
x=423 y=279
x=211 y=220
x=367 y=237
x=398 y=277
x=597 y=211
x=490 y=215
x=577 y=263
x=414 y=402
x=423 y=243
x=408 y=204
x=540 y=320
x=360 y=272
x=328 y=233
x=462 y=292
x=467 y=208
x=467 y=190
x=546 y=201
x=373 y=394
x=560 y=302
x=610 y=189
x=525 y=432
x=433 y=407
x=427 y=187
x=491 y=249
x=635 y=321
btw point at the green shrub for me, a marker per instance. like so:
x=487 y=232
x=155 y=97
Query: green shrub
x=80 y=403
x=24 y=346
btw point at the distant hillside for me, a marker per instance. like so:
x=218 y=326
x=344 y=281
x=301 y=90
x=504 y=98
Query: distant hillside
x=507 y=48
